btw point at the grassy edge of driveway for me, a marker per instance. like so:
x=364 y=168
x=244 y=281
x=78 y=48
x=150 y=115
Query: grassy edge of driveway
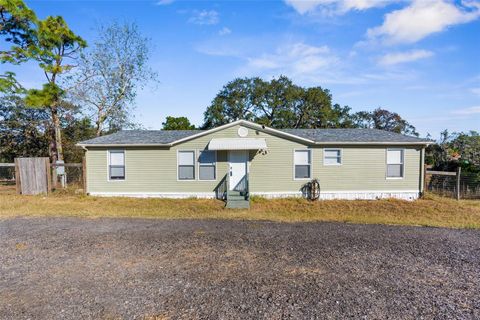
x=431 y=211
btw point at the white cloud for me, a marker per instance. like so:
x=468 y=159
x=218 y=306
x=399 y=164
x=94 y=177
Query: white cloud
x=468 y=111
x=294 y=59
x=205 y=17
x=224 y=31
x=402 y=57
x=422 y=18
x=335 y=6
x=475 y=91
x=164 y=2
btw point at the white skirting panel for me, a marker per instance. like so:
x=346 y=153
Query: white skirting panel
x=167 y=195
x=348 y=195
x=325 y=195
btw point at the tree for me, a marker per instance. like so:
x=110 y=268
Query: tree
x=17 y=28
x=384 y=120
x=233 y=102
x=52 y=44
x=278 y=103
x=76 y=129
x=455 y=149
x=111 y=73
x=23 y=131
x=467 y=146
x=55 y=44
x=316 y=111
x=177 y=123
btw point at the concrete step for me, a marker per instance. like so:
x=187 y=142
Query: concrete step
x=235 y=197
x=238 y=204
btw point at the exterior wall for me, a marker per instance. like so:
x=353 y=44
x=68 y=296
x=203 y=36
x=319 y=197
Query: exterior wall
x=153 y=171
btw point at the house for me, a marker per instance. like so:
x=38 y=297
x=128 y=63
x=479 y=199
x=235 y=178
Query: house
x=243 y=158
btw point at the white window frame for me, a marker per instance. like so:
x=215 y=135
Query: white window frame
x=311 y=165
x=332 y=149
x=194 y=164
x=403 y=163
x=124 y=165
x=199 y=165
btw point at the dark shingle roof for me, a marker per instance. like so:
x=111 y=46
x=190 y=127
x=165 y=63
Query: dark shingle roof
x=149 y=137
x=352 y=135
x=140 y=137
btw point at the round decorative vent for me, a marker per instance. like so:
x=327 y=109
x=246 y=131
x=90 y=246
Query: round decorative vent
x=242 y=132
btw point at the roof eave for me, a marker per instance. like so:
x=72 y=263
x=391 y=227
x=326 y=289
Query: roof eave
x=396 y=143
x=86 y=145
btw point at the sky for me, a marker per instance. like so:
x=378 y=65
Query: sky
x=419 y=58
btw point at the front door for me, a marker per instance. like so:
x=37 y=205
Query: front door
x=238 y=160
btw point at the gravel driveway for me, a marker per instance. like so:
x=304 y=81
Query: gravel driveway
x=64 y=268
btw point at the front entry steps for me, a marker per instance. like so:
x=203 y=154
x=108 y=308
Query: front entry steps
x=237 y=200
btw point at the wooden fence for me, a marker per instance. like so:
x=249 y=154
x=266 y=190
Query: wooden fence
x=458 y=185
x=11 y=175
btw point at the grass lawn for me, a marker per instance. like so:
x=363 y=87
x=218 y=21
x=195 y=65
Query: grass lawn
x=430 y=211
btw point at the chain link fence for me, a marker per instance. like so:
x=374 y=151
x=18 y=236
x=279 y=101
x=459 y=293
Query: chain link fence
x=458 y=185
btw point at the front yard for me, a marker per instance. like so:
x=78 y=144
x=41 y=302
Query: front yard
x=430 y=211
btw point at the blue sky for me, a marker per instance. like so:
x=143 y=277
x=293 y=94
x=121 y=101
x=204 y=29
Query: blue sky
x=418 y=58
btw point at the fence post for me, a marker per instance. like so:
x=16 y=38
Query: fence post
x=17 y=177
x=459 y=171
x=49 y=175
x=425 y=185
x=54 y=176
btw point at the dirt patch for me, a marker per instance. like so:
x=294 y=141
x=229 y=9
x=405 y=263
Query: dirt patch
x=73 y=268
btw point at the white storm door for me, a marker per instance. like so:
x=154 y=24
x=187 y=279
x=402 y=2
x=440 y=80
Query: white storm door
x=238 y=167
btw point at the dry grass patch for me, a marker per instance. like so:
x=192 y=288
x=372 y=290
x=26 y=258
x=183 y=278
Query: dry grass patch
x=430 y=211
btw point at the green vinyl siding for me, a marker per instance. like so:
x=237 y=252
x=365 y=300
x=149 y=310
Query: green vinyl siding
x=154 y=169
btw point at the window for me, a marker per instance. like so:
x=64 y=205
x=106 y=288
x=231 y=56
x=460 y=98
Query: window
x=116 y=165
x=302 y=159
x=186 y=165
x=395 y=163
x=206 y=165
x=332 y=157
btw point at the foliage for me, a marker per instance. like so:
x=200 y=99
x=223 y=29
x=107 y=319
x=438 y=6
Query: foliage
x=233 y=102
x=23 y=131
x=456 y=149
x=278 y=103
x=75 y=130
x=110 y=74
x=384 y=120
x=17 y=23
x=17 y=28
x=51 y=44
x=177 y=123
x=26 y=132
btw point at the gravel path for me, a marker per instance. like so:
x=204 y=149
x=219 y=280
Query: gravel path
x=69 y=268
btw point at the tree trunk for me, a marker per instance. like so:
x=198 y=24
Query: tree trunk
x=99 y=123
x=52 y=151
x=58 y=134
x=98 y=130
